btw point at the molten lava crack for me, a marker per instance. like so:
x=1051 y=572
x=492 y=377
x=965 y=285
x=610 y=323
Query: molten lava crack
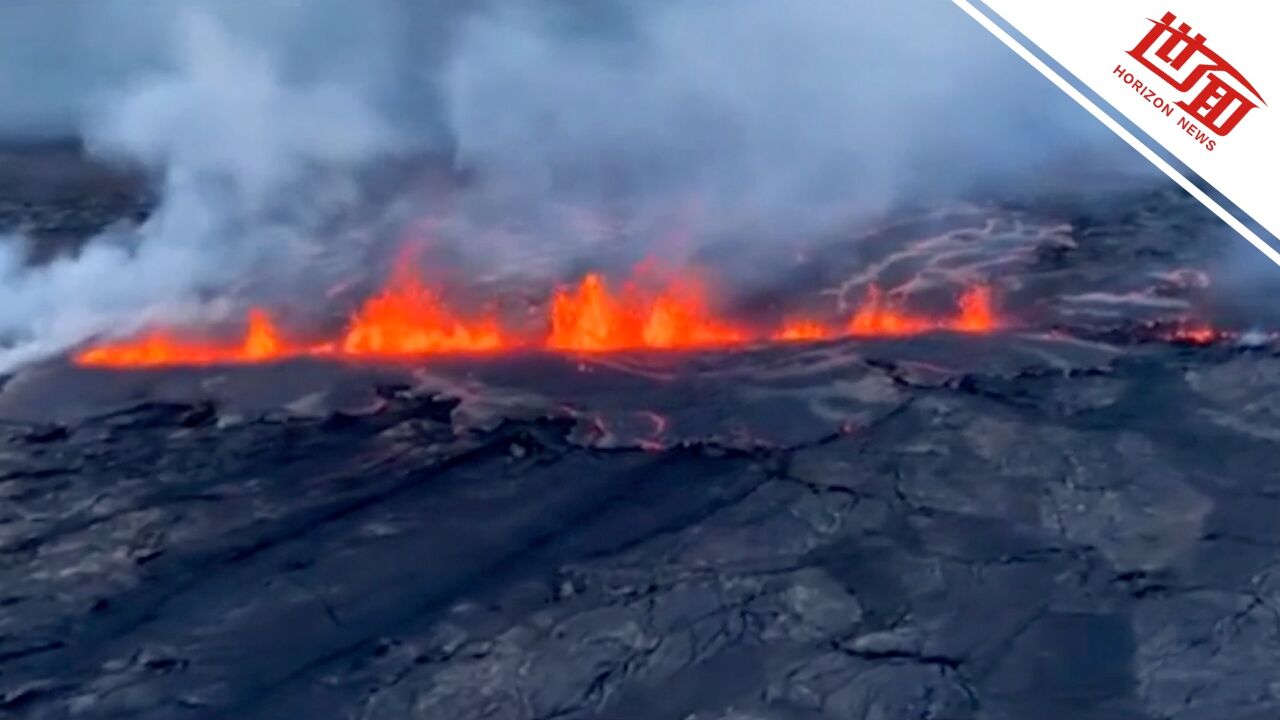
x=407 y=318
x=591 y=319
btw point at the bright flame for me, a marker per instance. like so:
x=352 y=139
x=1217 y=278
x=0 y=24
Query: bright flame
x=261 y=343
x=262 y=340
x=1196 y=335
x=976 y=312
x=877 y=317
x=803 y=331
x=590 y=318
x=586 y=319
x=406 y=318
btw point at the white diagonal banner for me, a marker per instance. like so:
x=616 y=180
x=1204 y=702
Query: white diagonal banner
x=1201 y=79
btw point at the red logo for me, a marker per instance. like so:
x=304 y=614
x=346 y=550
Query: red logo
x=1213 y=91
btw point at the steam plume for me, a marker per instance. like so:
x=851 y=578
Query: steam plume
x=582 y=127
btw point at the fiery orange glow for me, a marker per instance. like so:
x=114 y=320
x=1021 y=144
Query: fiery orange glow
x=976 y=312
x=877 y=317
x=590 y=318
x=404 y=318
x=261 y=342
x=1196 y=335
x=408 y=318
x=803 y=331
x=262 y=339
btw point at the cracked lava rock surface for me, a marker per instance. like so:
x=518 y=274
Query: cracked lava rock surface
x=1064 y=520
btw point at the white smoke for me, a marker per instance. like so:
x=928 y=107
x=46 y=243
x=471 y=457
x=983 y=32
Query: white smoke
x=238 y=154
x=225 y=116
x=579 y=126
x=754 y=121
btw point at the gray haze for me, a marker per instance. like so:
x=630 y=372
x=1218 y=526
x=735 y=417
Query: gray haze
x=576 y=124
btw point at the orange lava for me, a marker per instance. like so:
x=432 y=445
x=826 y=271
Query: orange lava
x=977 y=315
x=408 y=318
x=405 y=318
x=877 y=317
x=261 y=343
x=803 y=331
x=591 y=318
x=1196 y=335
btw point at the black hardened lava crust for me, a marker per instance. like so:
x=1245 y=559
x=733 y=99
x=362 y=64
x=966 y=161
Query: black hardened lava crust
x=1070 y=519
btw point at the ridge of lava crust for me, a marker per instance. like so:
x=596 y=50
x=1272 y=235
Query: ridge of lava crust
x=1041 y=490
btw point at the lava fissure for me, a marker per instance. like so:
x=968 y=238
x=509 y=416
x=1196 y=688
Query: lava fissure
x=592 y=319
x=407 y=318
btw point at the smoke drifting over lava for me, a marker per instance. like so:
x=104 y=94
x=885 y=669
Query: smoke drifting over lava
x=581 y=139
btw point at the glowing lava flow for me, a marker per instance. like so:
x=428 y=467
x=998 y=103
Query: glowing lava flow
x=590 y=318
x=407 y=318
x=803 y=331
x=1196 y=334
x=261 y=342
x=976 y=312
x=877 y=318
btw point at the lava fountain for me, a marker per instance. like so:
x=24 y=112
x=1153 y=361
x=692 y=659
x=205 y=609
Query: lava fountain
x=878 y=318
x=407 y=318
x=589 y=318
x=262 y=343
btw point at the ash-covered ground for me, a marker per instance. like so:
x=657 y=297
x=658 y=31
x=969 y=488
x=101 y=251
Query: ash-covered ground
x=1072 y=518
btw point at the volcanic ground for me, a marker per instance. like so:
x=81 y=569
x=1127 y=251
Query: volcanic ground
x=1072 y=517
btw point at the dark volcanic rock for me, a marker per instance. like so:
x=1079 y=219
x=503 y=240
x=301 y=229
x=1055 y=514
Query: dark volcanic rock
x=1004 y=544
x=55 y=195
x=1071 y=519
